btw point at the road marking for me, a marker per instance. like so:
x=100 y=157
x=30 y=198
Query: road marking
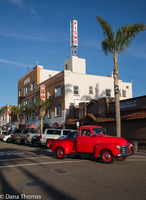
x=44 y=163
x=136 y=159
x=8 y=153
x=12 y=159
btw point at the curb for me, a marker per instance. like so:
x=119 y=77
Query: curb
x=140 y=153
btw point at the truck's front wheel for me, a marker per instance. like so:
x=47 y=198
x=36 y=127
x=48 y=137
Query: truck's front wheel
x=60 y=153
x=107 y=157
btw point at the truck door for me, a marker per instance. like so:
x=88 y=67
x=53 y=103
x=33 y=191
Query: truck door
x=85 y=142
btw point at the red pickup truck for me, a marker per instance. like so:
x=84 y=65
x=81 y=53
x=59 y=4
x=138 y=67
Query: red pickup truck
x=92 y=140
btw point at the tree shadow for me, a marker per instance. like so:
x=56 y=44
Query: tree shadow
x=47 y=188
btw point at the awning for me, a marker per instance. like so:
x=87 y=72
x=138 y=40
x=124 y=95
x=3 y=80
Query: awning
x=57 y=125
x=31 y=126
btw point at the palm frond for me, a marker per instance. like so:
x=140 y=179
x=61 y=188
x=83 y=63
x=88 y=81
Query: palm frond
x=126 y=35
x=107 y=30
x=106 y=47
x=39 y=106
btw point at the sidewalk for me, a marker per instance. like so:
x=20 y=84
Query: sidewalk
x=141 y=152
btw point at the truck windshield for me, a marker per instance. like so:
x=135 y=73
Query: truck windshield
x=99 y=131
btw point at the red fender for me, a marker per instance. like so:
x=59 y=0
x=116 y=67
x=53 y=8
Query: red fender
x=64 y=145
x=110 y=146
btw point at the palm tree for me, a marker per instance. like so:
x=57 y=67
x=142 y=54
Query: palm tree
x=116 y=43
x=40 y=107
x=2 y=109
x=18 y=111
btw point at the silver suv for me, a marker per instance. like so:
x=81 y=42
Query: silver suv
x=19 y=135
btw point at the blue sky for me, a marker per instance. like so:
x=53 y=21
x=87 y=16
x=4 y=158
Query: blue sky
x=42 y=28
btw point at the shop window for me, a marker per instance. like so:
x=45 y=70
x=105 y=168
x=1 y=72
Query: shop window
x=57 y=111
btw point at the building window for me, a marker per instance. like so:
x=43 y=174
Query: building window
x=27 y=118
x=123 y=93
x=20 y=93
x=57 y=91
x=108 y=92
x=33 y=86
x=76 y=89
x=26 y=90
x=33 y=99
x=20 y=104
x=49 y=113
x=90 y=90
x=48 y=95
x=57 y=111
x=32 y=116
x=26 y=103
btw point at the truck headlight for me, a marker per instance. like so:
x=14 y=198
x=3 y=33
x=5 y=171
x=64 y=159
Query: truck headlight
x=118 y=147
x=131 y=145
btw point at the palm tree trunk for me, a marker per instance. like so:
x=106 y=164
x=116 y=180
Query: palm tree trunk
x=41 y=123
x=17 y=121
x=117 y=104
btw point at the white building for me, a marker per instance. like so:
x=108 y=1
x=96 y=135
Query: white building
x=80 y=86
x=66 y=88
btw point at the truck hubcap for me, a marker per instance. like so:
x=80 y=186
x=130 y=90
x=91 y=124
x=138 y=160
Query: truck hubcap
x=107 y=156
x=60 y=153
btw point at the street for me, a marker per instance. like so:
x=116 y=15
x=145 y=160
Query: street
x=35 y=173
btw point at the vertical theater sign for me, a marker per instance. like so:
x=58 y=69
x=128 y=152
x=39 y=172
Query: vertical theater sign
x=74 y=37
x=42 y=95
x=42 y=92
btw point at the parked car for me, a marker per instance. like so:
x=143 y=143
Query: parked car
x=7 y=137
x=33 y=139
x=53 y=134
x=19 y=135
x=2 y=134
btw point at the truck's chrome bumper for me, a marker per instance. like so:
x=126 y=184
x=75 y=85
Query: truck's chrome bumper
x=125 y=154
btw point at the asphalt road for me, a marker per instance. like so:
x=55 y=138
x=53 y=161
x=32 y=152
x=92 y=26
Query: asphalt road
x=34 y=173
